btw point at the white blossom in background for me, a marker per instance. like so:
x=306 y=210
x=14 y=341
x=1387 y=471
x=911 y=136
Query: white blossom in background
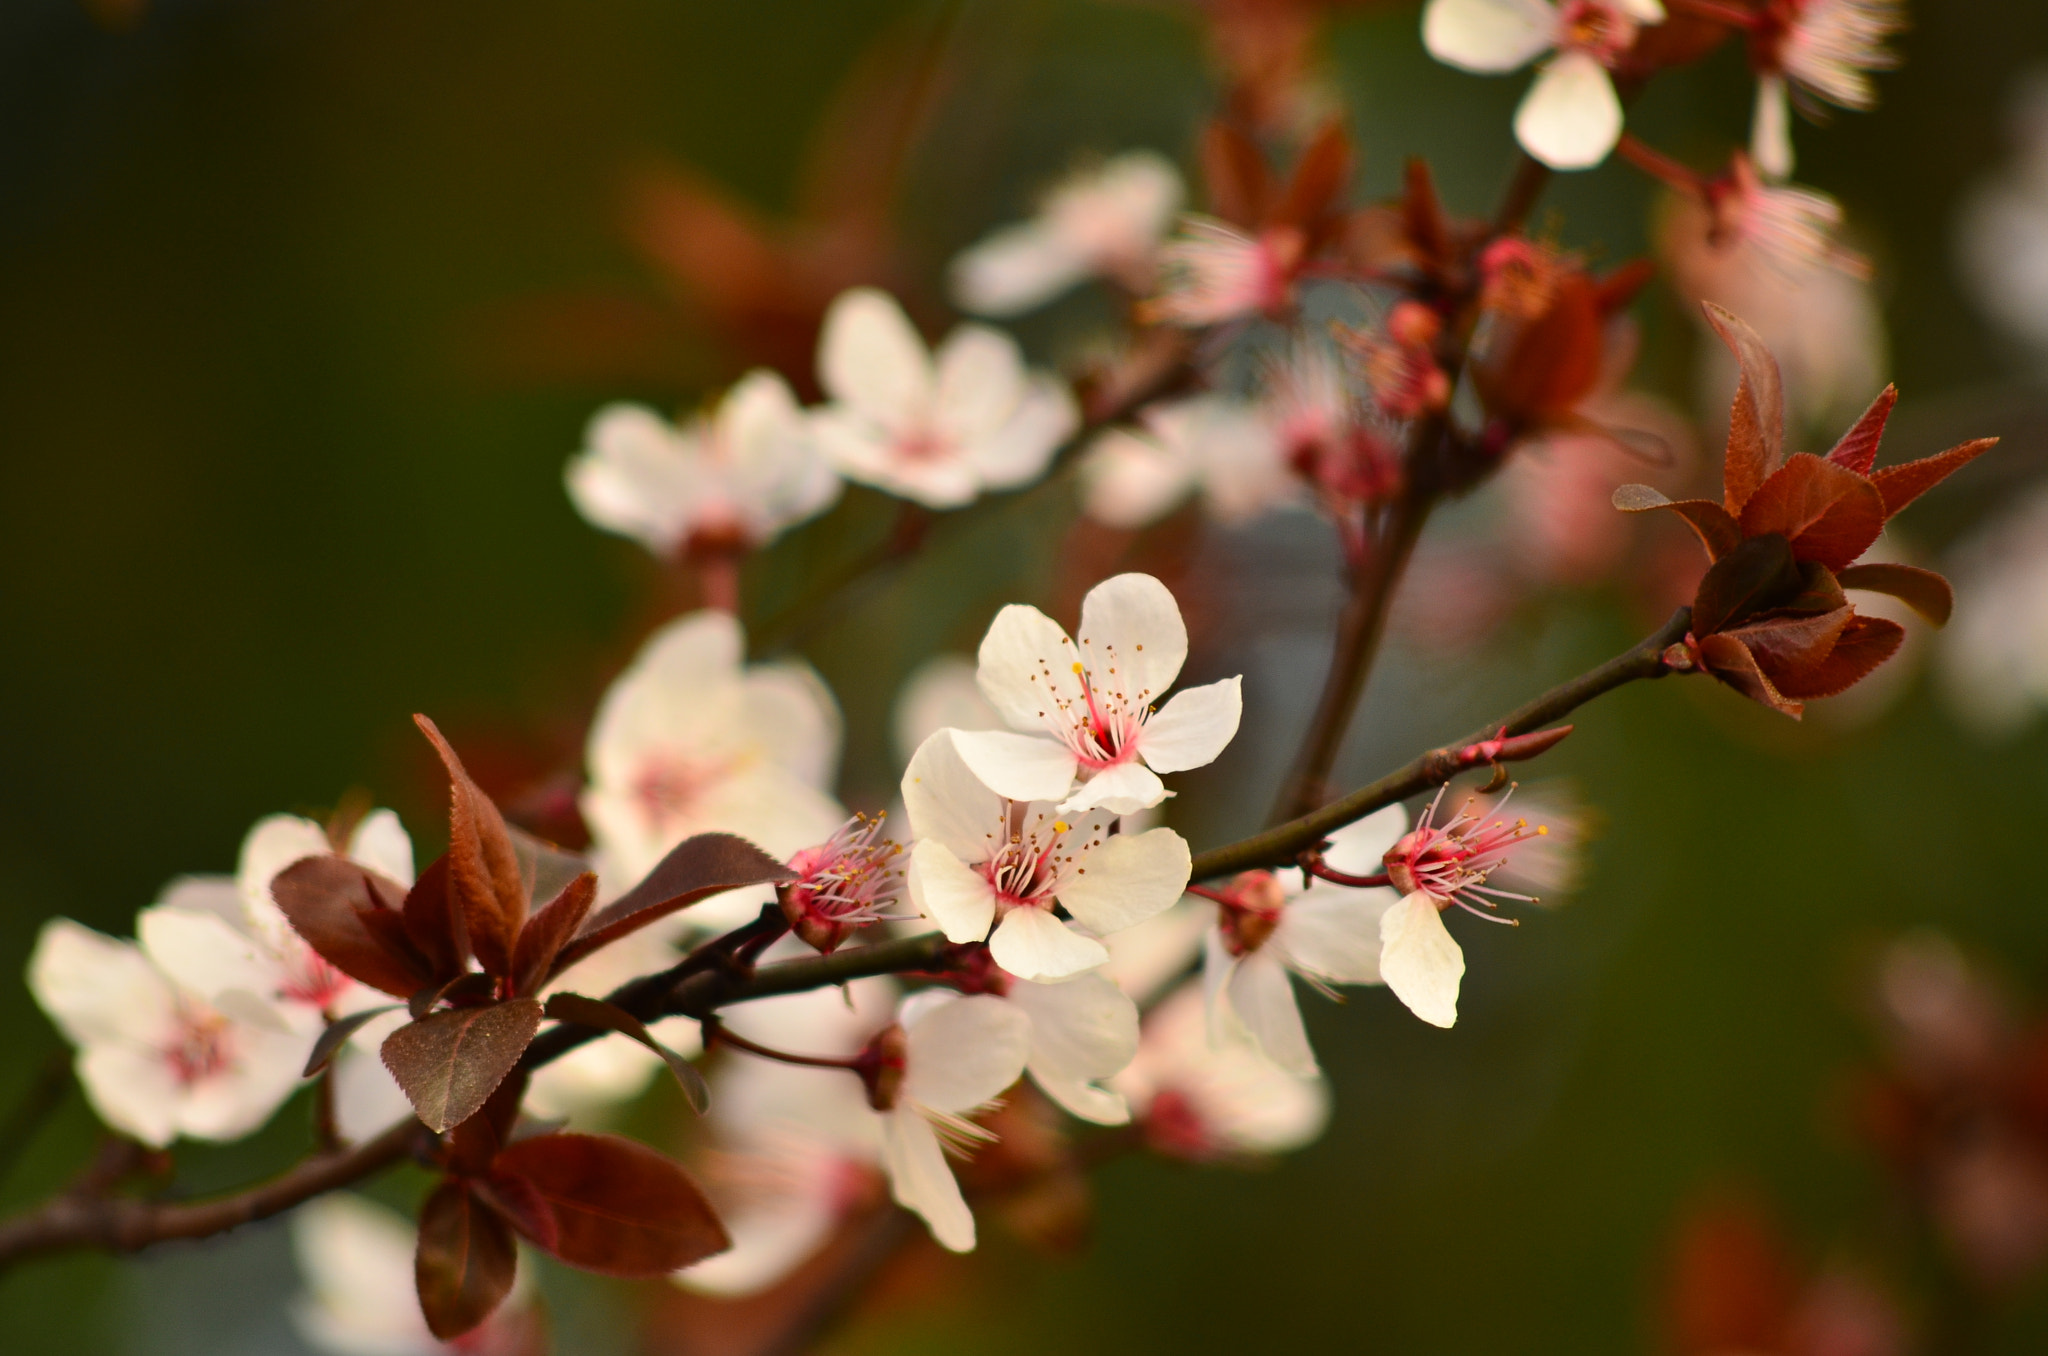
x=1828 y=49
x=940 y=694
x=1217 y=446
x=982 y=861
x=1103 y=221
x=156 y=1060
x=590 y=1082
x=1327 y=934
x=2002 y=235
x=1571 y=117
x=1212 y=273
x=938 y=428
x=1994 y=653
x=730 y=480
x=1146 y=958
x=1202 y=1101
x=1089 y=709
x=1083 y=1030
x=690 y=739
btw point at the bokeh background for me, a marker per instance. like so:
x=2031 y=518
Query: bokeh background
x=303 y=305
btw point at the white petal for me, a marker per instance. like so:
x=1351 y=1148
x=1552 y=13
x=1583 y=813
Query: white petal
x=681 y=686
x=634 y=477
x=1129 y=481
x=1218 y=965
x=274 y=843
x=956 y=897
x=867 y=452
x=921 y=1181
x=1128 y=879
x=97 y=988
x=1488 y=36
x=357 y=1261
x=1770 y=132
x=381 y=843
x=1192 y=728
x=1360 y=847
x=944 y=800
x=1571 y=117
x=1420 y=961
x=773 y=1229
x=964 y=1052
x=1018 y=451
x=263 y=1071
x=367 y=1099
x=1019 y=766
x=1032 y=944
x=792 y=717
x=980 y=382
x=1015 y=269
x=1644 y=11
x=1123 y=790
x=217 y=895
x=1026 y=669
x=940 y=694
x=1132 y=637
x=1333 y=933
x=1262 y=995
x=870 y=357
x=1145 y=958
x=1082 y=1030
x=205 y=955
x=132 y=1090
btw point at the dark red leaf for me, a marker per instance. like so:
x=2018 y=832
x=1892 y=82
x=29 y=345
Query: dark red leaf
x=1858 y=448
x=1319 y=176
x=1750 y=579
x=696 y=867
x=1788 y=645
x=451 y=1062
x=595 y=1012
x=1554 y=361
x=1422 y=214
x=336 y=1035
x=332 y=903
x=465 y=1264
x=1730 y=660
x=620 y=1208
x=433 y=925
x=465 y=990
x=1902 y=484
x=1620 y=287
x=1756 y=422
x=483 y=867
x=544 y=868
x=523 y=1207
x=1717 y=531
x=474 y=1144
x=544 y=935
x=1866 y=643
x=1819 y=591
x=1234 y=174
x=1922 y=590
x=1829 y=514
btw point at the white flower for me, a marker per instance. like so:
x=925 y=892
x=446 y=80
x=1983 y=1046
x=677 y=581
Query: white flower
x=982 y=859
x=1827 y=47
x=1571 y=117
x=730 y=481
x=1103 y=221
x=1222 y=447
x=689 y=740
x=1090 y=707
x=940 y=694
x=156 y=1060
x=938 y=428
x=1201 y=1101
x=1145 y=959
x=1326 y=933
x=2003 y=230
x=1994 y=654
x=1083 y=1030
x=1213 y=272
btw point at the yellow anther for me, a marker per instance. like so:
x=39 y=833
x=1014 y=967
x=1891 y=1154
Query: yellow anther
x=1059 y=826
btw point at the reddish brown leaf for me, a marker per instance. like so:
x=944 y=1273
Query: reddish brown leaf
x=336 y=1035
x=432 y=923
x=1922 y=590
x=1756 y=422
x=523 y=1207
x=1234 y=174
x=1554 y=360
x=696 y=867
x=1730 y=660
x=465 y=1264
x=1787 y=645
x=332 y=902
x=1422 y=214
x=595 y=1012
x=1718 y=532
x=545 y=869
x=1866 y=643
x=541 y=940
x=1829 y=514
x=1819 y=591
x=1319 y=176
x=1902 y=484
x=1620 y=287
x=474 y=1144
x=466 y=990
x=619 y=1207
x=450 y=1063
x=1749 y=579
x=1858 y=448
x=483 y=868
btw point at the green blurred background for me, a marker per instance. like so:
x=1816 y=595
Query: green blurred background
x=284 y=426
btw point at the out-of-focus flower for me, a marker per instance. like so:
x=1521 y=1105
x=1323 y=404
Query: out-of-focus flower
x=940 y=694
x=1571 y=117
x=983 y=860
x=938 y=427
x=156 y=1060
x=1202 y=1102
x=2002 y=235
x=356 y=1258
x=1267 y=932
x=1327 y=433
x=1557 y=344
x=1825 y=47
x=590 y=1082
x=1216 y=272
x=1092 y=708
x=1146 y=958
x=1994 y=659
x=1401 y=366
x=690 y=740
x=1770 y=618
x=1083 y=1030
x=725 y=483
x=1104 y=221
x=843 y=883
x=1216 y=445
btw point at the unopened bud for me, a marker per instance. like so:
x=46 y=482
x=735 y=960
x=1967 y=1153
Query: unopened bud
x=881 y=1066
x=1251 y=911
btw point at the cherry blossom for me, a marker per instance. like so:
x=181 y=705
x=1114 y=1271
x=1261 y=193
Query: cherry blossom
x=1202 y=1102
x=1827 y=48
x=843 y=883
x=1326 y=933
x=1213 y=272
x=2002 y=233
x=1222 y=447
x=938 y=427
x=1091 y=708
x=1103 y=221
x=156 y=1060
x=1083 y=1030
x=982 y=860
x=690 y=740
x=1994 y=654
x=724 y=482
x=940 y=694
x=1571 y=117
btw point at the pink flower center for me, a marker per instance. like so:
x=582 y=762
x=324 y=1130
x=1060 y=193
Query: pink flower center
x=843 y=883
x=1451 y=862
x=669 y=790
x=1035 y=857
x=1599 y=30
x=201 y=1048
x=312 y=981
x=924 y=445
x=1250 y=910
x=1102 y=728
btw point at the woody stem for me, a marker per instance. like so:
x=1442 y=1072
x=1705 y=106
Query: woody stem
x=717 y=1033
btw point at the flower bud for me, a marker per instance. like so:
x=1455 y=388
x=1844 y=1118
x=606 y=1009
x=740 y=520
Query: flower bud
x=881 y=1066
